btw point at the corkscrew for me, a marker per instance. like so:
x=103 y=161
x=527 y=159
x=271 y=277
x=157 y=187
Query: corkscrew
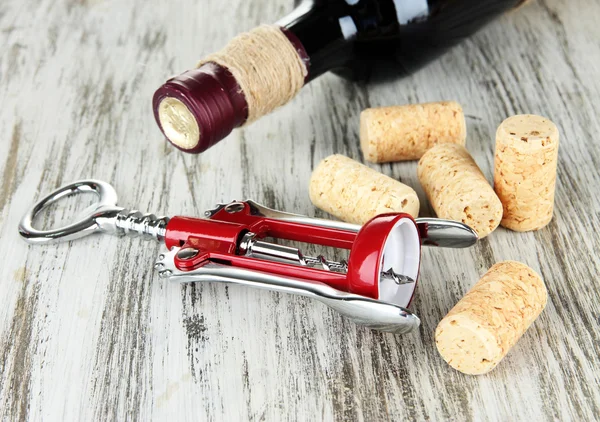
x=232 y=245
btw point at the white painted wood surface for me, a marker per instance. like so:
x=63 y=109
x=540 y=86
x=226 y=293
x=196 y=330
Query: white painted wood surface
x=89 y=332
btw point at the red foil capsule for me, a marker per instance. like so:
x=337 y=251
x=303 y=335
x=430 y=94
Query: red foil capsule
x=214 y=99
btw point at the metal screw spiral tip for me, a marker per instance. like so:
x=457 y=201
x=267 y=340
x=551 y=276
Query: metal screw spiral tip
x=149 y=226
x=398 y=278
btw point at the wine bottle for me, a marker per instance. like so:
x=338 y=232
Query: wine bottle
x=263 y=69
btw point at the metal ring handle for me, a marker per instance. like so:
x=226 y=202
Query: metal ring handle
x=87 y=225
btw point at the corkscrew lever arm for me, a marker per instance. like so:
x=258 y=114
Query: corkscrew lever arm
x=374 y=314
x=433 y=231
x=106 y=217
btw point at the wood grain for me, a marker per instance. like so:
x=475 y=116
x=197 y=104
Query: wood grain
x=88 y=331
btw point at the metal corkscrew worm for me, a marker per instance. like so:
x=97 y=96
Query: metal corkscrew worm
x=373 y=287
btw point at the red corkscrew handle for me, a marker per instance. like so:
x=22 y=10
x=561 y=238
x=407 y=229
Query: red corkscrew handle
x=218 y=239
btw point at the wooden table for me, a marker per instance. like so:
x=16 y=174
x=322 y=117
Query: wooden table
x=88 y=331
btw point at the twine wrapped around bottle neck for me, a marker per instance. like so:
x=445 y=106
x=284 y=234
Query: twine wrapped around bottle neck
x=266 y=66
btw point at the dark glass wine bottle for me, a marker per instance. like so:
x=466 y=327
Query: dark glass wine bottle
x=197 y=109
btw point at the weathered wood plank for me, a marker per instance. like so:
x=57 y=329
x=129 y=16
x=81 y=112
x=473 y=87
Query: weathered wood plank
x=87 y=330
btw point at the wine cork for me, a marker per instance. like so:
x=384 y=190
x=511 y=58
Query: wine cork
x=405 y=132
x=458 y=190
x=356 y=193
x=481 y=329
x=525 y=171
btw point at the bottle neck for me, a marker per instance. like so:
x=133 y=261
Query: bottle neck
x=314 y=25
